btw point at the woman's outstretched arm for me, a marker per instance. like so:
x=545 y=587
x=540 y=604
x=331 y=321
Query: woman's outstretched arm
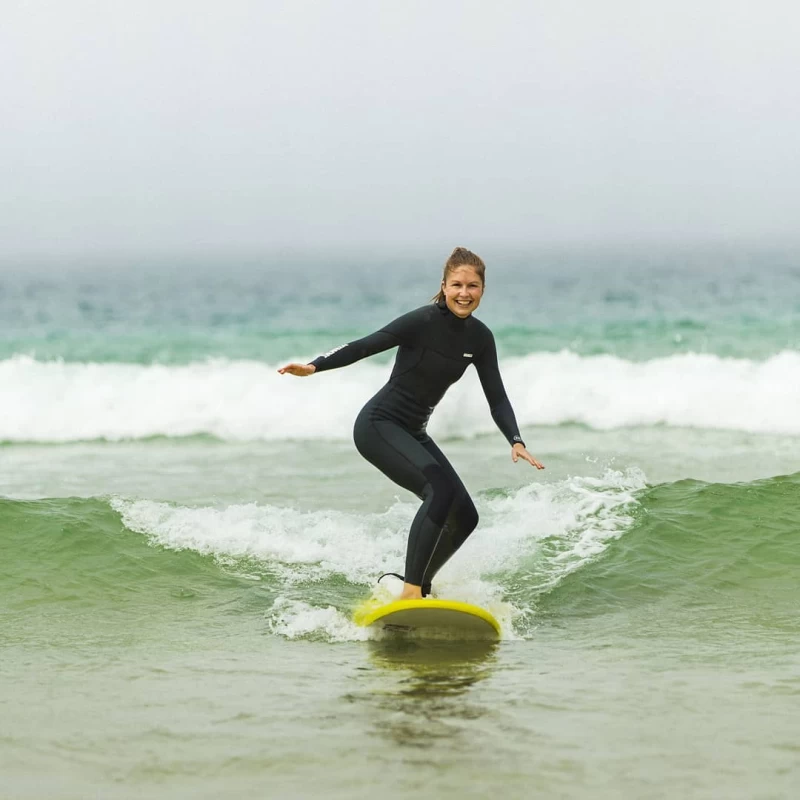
x=399 y=331
x=349 y=353
x=344 y=355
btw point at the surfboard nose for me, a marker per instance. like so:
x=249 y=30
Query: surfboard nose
x=429 y=618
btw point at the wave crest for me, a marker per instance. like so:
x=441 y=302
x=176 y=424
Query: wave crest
x=248 y=400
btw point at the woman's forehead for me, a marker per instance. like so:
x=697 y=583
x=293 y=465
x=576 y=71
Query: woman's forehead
x=464 y=273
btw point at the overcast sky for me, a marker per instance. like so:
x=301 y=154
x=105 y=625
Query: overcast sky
x=192 y=126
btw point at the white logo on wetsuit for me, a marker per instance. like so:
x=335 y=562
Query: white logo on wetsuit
x=467 y=355
x=335 y=350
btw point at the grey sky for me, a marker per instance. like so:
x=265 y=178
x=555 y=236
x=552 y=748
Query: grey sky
x=198 y=126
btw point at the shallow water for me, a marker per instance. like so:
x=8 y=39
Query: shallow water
x=576 y=711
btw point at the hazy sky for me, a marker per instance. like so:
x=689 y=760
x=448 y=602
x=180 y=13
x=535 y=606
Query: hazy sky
x=191 y=127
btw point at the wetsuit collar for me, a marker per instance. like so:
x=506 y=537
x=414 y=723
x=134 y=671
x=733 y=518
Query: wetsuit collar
x=452 y=320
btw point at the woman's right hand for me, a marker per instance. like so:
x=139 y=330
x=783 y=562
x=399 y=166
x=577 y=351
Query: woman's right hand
x=301 y=370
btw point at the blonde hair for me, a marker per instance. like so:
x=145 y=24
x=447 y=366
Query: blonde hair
x=461 y=257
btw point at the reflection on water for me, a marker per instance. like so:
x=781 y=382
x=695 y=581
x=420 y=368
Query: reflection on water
x=420 y=690
x=434 y=668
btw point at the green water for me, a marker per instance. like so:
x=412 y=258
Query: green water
x=670 y=664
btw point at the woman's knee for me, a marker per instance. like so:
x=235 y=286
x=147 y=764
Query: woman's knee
x=442 y=493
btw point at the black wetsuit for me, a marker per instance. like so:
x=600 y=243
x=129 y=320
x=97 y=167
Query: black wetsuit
x=435 y=349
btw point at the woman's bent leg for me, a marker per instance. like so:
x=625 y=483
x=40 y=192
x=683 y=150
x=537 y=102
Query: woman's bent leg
x=407 y=462
x=461 y=520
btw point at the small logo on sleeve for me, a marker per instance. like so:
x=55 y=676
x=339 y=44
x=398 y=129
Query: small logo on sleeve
x=517 y=438
x=467 y=355
x=335 y=350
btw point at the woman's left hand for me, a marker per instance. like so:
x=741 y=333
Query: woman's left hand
x=518 y=452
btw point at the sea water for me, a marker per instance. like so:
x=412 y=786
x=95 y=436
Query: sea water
x=184 y=533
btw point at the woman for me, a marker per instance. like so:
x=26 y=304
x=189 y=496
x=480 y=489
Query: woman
x=436 y=345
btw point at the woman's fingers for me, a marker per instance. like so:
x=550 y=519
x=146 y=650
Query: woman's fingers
x=521 y=452
x=532 y=461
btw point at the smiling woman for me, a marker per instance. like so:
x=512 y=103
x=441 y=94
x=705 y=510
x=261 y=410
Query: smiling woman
x=436 y=343
x=463 y=282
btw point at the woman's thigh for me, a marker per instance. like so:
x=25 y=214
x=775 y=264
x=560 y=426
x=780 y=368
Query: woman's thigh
x=395 y=452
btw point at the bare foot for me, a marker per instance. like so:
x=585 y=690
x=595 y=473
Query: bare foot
x=411 y=592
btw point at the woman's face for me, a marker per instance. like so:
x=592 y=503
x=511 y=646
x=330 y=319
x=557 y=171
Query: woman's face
x=463 y=289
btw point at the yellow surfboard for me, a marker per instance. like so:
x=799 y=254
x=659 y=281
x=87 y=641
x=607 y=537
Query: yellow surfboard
x=429 y=617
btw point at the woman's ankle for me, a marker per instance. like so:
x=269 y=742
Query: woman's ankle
x=411 y=592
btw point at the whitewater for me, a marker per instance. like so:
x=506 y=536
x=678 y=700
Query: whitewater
x=59 y=401
x=577 y=518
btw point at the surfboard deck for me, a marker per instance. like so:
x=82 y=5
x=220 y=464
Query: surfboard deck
x=429 y=617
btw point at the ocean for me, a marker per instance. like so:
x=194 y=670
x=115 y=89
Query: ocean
x=184 y=533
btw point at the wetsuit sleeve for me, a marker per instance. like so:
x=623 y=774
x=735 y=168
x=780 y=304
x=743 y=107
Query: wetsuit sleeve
x=499 y=404
x=398 y=332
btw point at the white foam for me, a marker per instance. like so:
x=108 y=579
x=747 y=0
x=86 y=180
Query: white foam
x=526 y=543
x=248 y=400
x=295 y=620
x=297 y=546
